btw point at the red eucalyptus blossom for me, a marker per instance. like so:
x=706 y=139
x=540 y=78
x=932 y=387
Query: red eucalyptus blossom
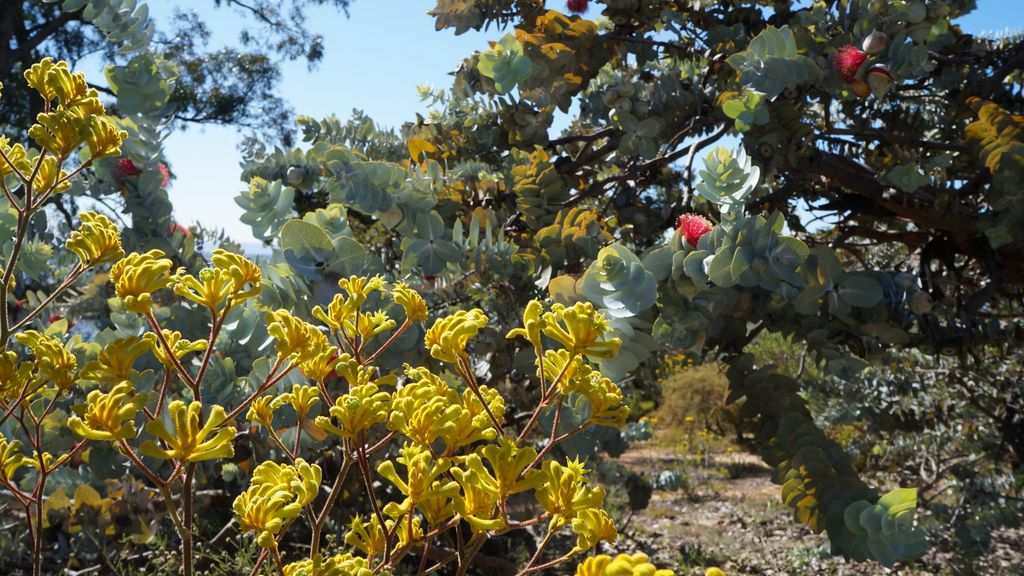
x=179 y=229
x=692 y=227
x=577 y=6
x=847 y=61
x=126 y=167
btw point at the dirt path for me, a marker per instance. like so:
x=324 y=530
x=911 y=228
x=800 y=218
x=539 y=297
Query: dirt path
x=727 y=513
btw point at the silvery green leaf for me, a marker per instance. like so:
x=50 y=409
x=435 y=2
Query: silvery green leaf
x=771 y=63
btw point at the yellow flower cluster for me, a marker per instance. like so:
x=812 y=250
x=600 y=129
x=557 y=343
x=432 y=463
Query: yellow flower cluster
x=412 y=303
x=446 y=340
x=11 y=460
x=579 y=328
x=232 y=279
x=276 y=496
x=339 y=565
x=178 y=346
x=96 y=241
x=77 y=119
x=505 y=474
x=572 y=375
x=353 y=414
x=53 y=363
x=425 y=485
x=344 y=314
x=368 y=537
x=426 y=409
x=565 y=492
x=456 y=461
x=108 y=416
x=137 y=276
x=301 y=398
x=190 y=440
x=298 y=341
x=115 y=362
x=14 y=376
x=261 y=411
x=622 y=565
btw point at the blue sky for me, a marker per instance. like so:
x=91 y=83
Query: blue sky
x=373 y=61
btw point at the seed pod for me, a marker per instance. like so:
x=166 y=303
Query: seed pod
x=879 y=80
x=294 y=175
x=875 y=42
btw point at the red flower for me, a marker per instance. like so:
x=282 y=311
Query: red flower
x=126 y=168
x=692 y=227
x=179 y=229
x=577 y=6
x=847 y=61
x=166 y=173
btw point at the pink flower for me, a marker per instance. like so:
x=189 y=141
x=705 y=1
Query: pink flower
x=847 y=61
x=577 y=6
x=692 y=227
x=167 y=175
x=126 y=168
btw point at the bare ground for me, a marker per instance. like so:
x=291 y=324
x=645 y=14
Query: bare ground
x=728 y=514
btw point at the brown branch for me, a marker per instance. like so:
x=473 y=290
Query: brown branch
x=891 y=138
x=596 y=135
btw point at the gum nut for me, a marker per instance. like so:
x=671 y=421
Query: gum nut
x=879 y=80
x=875 y=42
x=861 y=89
x=294 y=175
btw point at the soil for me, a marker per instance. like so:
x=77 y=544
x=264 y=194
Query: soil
x=728 y=513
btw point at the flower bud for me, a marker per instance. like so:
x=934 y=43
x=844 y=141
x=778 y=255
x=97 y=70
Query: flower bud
x=294 y=175
x=875 y=42
x=879 y=80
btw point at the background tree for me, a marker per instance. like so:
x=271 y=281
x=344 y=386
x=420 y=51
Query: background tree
x=234 y=85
